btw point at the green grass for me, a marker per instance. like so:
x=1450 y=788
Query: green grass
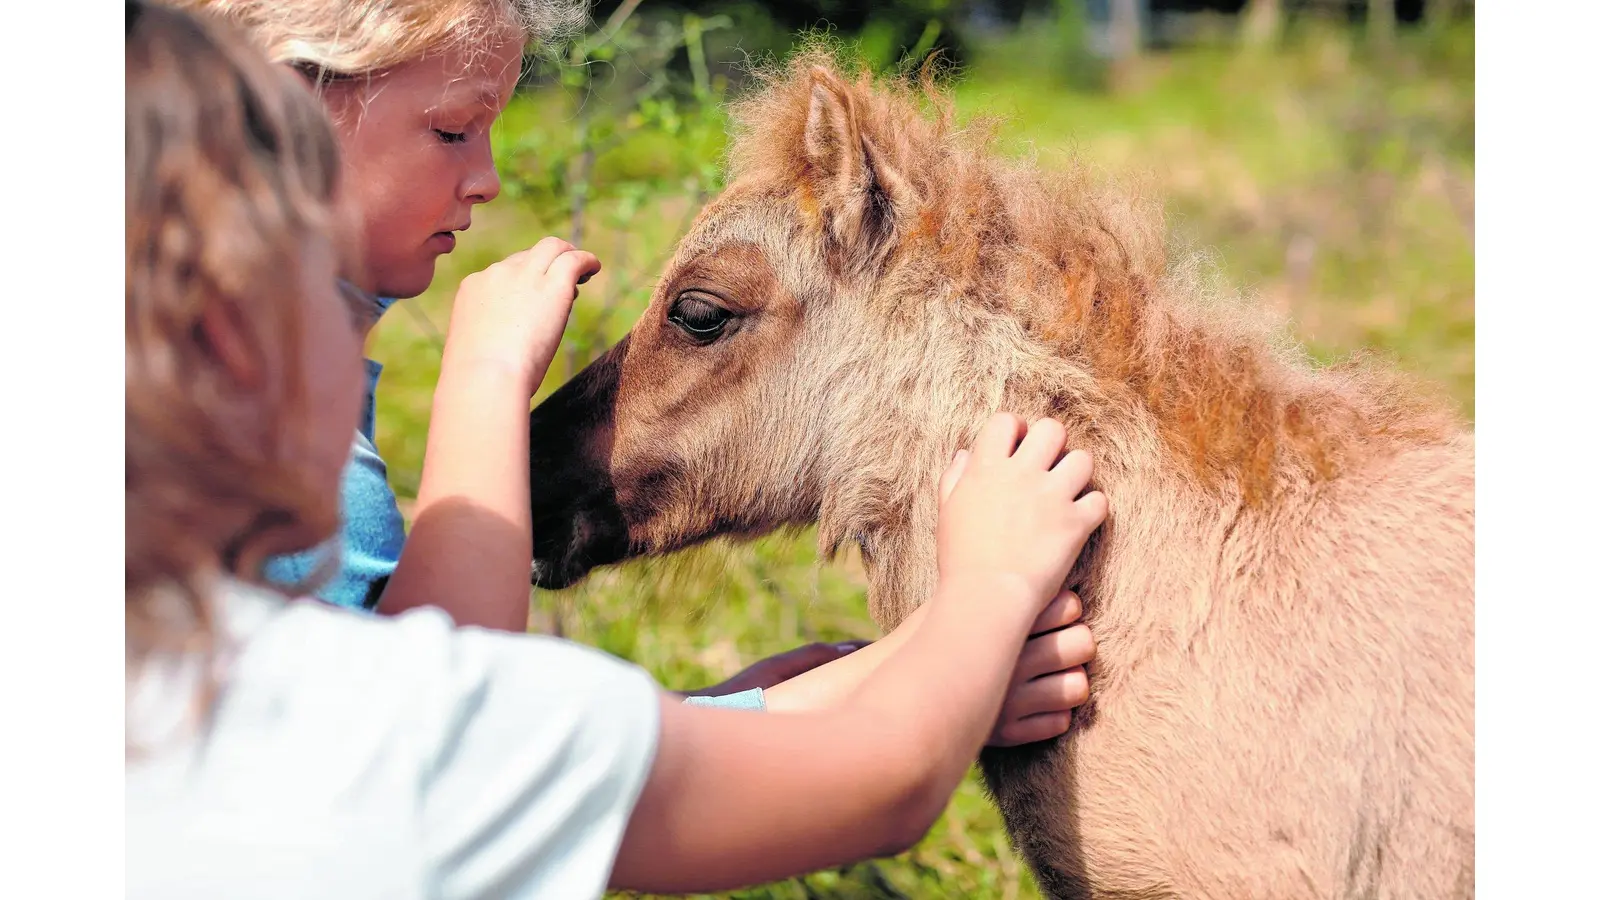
x=1335 y=186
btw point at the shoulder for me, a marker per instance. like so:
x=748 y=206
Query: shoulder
x=480 y=758
x=419 y=660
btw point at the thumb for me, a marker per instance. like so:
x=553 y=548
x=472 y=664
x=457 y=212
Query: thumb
x=574 y=267
x=952 y=475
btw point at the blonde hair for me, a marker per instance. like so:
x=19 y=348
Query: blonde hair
x=342 y=38
x=231 y=166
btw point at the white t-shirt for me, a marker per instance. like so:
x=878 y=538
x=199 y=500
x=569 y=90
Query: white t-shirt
x=352 y=757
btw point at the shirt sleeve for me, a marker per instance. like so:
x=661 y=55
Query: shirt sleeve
x=539 y=749
x=753 y=699
x=374 y=531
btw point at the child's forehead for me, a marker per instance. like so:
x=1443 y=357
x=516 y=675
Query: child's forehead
x=473 y=76
x=470 y=95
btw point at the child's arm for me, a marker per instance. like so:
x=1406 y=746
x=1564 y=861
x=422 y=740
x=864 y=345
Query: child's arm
x=733 y=799
x=1047 y=684
x=470 y=550
x=781 y=668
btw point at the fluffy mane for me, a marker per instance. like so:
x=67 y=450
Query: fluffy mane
x=1084 y=268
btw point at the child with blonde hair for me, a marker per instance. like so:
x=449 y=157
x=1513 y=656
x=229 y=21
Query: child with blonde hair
x=285 y=749
x=412 y=87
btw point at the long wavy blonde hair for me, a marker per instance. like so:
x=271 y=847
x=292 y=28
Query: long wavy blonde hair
x=231 y=166
x=345 y=38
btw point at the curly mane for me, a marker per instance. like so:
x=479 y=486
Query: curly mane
x=1084 y=269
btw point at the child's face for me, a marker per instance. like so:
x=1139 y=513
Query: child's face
x=417 y=157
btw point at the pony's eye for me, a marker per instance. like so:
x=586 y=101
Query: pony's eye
x=700 y=319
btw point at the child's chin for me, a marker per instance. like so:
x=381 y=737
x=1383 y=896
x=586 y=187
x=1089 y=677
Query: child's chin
x=410 y=283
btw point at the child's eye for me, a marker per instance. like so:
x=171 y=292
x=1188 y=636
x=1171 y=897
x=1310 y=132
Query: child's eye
x=450 y=137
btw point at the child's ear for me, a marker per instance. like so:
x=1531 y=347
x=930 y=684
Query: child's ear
x=859 y=191
x=226 y=337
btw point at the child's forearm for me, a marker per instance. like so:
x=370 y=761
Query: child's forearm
x=865 y=777
x=964 y=653
x=470 y=548
x=832 y=683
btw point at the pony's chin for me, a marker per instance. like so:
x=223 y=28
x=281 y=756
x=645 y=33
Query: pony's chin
x=565 y=551
x=555 y=576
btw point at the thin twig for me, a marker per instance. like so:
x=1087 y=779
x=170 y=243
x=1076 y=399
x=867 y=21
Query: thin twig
x=432 y=331
x=655 y=265
x=616 y=20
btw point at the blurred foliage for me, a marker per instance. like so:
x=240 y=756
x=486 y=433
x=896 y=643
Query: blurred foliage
x=884 y=31
x=1329 y=176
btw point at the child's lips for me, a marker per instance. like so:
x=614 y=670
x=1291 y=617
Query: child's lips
x=442 y=241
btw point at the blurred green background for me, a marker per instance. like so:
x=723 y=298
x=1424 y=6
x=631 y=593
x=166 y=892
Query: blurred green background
x=1322 y=151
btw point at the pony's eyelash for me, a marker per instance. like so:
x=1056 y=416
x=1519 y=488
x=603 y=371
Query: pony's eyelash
x=450 y=137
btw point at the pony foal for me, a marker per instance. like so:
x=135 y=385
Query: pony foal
x=1282 y=596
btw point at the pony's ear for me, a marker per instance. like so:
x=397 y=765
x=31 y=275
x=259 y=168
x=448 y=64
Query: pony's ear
x=858 y=189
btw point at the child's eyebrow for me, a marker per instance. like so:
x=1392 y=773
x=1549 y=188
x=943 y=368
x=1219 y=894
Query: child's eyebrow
x=487 y=97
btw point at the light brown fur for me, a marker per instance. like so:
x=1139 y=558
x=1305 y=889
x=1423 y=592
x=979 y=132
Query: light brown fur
x=1282 y=596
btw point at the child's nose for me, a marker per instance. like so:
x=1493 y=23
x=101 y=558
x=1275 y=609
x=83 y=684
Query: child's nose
x=483 y=181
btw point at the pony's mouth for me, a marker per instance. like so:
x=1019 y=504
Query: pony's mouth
x=565 y=549
x=577 y=522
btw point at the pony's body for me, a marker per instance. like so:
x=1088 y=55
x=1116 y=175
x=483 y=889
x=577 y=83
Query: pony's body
x=1282 y=595
x=1283 y=704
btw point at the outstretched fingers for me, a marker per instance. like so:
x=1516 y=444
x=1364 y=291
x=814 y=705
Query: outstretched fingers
x=574 y=267
x=1043 y=445
x=999 y=436
x=541 y=255
x=1075 y=469
x=1094 y=506
x=1065 y=609
x=1032 y=729
x=1042 y=708
x=1055 y=692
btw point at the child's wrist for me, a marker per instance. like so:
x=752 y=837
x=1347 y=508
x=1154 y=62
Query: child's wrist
x=1004 y=595
x=489 y=371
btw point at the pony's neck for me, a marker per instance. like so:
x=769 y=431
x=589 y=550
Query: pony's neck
x=1156 y=389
